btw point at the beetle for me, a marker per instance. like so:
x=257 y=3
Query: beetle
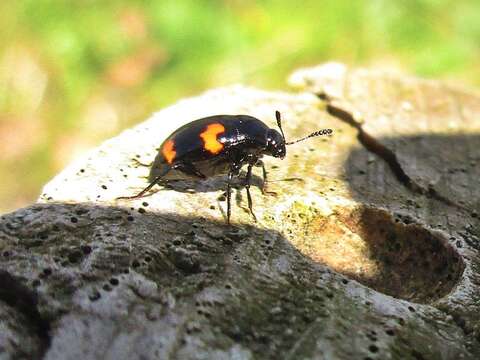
x=219 y=145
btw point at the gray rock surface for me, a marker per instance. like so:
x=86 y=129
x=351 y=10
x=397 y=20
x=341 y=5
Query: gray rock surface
x=368 y=250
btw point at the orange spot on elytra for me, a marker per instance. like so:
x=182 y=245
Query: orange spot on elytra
x=168 y=151
x=209 y=137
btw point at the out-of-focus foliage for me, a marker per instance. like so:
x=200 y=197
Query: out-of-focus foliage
x=74 y=72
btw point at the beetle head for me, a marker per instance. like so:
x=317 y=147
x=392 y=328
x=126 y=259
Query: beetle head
x=275 y=144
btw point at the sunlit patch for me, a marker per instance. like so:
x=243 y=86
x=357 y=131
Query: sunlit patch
x=168 y=151
x=209 y=137
x=389 y=253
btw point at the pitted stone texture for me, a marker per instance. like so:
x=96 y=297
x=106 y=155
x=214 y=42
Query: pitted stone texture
x=115 y=289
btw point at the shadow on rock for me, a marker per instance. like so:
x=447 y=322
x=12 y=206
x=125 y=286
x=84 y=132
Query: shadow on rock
x=116 y=276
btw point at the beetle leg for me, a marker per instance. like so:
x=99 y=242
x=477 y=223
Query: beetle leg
x=151 y=185
x=189 y=169
x=264 y=174
x=229 y=194
x=247 y=186
x=144 y=191
x=139 y=163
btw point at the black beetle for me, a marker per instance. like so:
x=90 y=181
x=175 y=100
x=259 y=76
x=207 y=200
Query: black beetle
x=219 y=145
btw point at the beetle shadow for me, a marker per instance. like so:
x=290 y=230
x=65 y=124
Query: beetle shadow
x=212 y=185
x=198 y=186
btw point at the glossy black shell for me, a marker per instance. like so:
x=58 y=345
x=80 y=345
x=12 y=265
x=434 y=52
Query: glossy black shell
x=243 y=136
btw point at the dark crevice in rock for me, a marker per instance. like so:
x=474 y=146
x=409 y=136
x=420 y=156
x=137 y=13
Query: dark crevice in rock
x=374 y=146
x=24 y=300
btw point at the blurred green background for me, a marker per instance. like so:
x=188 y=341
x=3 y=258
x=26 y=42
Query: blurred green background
x=76 y=72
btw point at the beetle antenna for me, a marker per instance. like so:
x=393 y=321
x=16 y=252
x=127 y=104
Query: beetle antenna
x=279 y=123
x=314 y=134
